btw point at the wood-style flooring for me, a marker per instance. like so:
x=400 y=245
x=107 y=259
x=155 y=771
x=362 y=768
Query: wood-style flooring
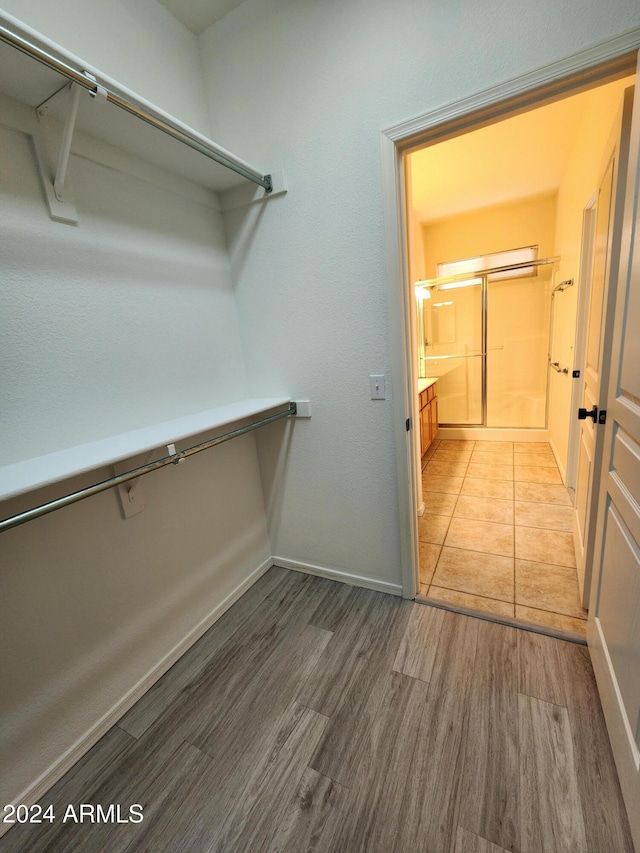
x=315 y=716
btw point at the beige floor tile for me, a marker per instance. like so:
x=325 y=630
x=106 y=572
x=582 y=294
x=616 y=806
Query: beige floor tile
x=542 y=493
x=433 y=528
x=536 y=474
x=547 y=516
x=502 y=459
x=548 y=587
x=531 y=446
x=551 y=620
x=449 y=468
x=494 y=446
x=485 y=510
x=436 y=483
x=545 y=546
x=439 y=503
x=544 y=460
x=447 y=451
x=479 y=574
x=429 y=554
x=485 y=536
x=473 y=602
x=424 y=589
x=457 y=442
x=490 y=471
x=479 y=487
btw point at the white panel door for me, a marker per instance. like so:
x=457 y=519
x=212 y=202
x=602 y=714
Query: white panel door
x=614 y=617
x=606 y=256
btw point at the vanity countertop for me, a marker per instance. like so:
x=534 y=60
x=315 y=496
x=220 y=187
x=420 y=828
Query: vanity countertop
x=423 y=384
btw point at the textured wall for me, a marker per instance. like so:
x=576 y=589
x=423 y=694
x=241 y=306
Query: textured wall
x=307 y=87
x=122 y=321
x=139 y=44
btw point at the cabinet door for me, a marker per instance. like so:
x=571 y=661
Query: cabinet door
x=425 y=428
x=433 y=418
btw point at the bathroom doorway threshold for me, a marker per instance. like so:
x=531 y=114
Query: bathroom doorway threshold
x=510 y=621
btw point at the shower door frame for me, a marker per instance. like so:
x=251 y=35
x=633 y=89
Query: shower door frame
x=484 y=275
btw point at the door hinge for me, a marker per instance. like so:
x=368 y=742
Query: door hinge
x=602 y=416
x=407 y=424
x=576 y=374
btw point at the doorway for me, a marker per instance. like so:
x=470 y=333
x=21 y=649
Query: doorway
x=405 y=140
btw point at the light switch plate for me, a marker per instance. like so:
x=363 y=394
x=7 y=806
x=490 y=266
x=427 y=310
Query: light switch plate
x=376 y=386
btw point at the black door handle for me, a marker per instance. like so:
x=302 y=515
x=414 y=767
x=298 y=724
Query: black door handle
x=583 y=414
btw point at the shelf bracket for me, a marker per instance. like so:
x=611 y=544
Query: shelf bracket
x=58 y=194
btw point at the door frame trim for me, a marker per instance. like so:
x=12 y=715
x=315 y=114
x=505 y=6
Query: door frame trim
x=609 y=60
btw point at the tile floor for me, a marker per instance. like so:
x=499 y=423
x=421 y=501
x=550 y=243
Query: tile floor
x=496 y=532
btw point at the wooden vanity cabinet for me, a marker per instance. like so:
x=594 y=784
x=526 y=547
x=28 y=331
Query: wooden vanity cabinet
x=428 y=417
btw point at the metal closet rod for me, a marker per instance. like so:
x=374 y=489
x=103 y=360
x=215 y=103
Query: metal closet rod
x=140 y=112
x=172 y=459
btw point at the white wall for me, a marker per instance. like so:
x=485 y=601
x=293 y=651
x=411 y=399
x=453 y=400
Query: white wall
x=308 y=86
x=124 y=320
x=580 y=181
x=139 y=44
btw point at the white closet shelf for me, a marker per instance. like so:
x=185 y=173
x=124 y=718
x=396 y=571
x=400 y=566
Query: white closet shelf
x=21 y=477
x=26 y=79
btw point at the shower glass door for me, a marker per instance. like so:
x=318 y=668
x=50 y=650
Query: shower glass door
x=518 y=312
x=450 y=324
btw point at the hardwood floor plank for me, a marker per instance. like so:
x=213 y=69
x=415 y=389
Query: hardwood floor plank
x=467 y=842
x=239 y=665
x=379 y=795
x=561 y=672
x=258 y=821
x=349 y=651
x=355 y=706
x=605 y=818
x=431 y=795
x=490 y=774
x=550 y=809
x=85 y=776
x=540 y=670
x=417 y=651
x=335 y=605
x=235 y=761
x=147 y=710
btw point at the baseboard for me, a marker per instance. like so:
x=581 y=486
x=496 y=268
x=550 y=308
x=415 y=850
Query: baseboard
x=338 y=575
x=561 y=467
x=492 y=434
x=57 y=770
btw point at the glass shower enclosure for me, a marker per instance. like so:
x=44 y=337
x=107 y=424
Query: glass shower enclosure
x=485 y=336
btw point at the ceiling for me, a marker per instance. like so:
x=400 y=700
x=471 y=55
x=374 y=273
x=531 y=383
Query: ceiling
x=197 y=15
x=516 y=158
